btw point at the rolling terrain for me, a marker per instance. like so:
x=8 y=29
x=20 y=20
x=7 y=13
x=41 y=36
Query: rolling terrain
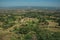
x=29 y=24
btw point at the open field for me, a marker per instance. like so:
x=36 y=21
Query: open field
x=29 y=24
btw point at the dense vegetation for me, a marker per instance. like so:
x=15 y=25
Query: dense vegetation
x=30 y=26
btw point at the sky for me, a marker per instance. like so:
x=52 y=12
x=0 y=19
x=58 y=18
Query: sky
x=44 y=3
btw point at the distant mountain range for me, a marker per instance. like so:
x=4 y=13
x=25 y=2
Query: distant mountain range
x=29 y=7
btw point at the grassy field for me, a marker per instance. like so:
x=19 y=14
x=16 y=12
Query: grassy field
x=30 y=25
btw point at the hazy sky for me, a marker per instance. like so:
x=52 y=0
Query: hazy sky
x=12 y=3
